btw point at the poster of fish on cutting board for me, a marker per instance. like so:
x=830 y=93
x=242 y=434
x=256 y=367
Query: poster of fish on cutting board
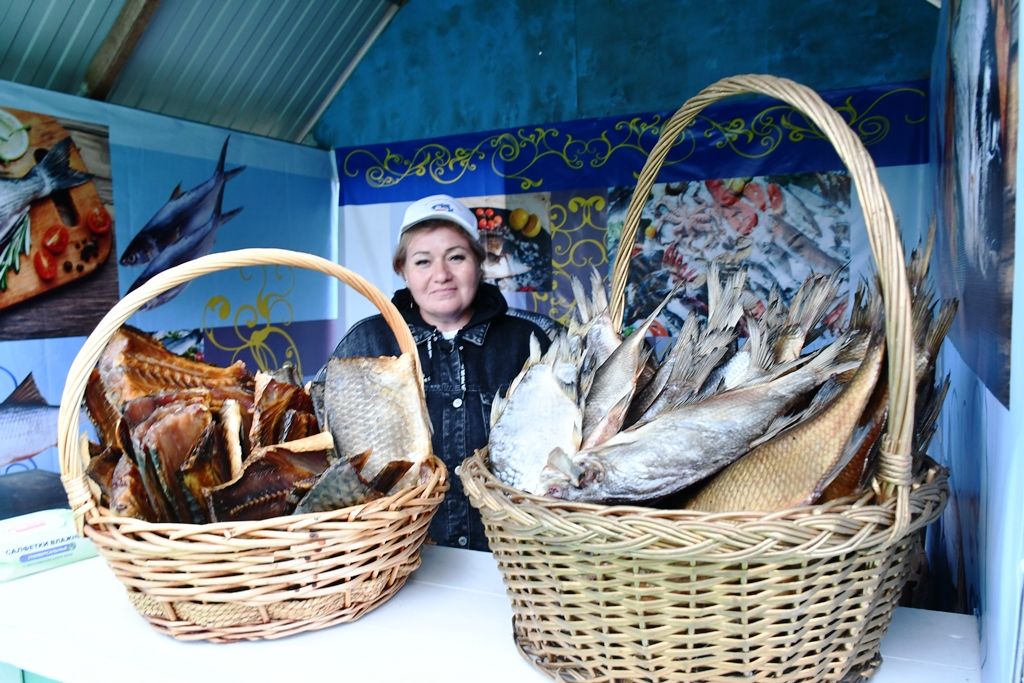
x=56 y=225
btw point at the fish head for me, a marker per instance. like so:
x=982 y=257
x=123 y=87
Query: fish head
x=567 y=477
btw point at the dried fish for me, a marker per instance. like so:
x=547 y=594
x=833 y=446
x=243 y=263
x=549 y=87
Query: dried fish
x=539 y=414
x=207 y=465
x=272 y=481
x=342 y=485
x=793 y=467
x=135 y=364
x=690 y=442
x=377 y=404
x=614 y=383
x=127 y=495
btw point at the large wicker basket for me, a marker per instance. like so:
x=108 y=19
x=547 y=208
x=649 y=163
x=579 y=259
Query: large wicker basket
x=233 y=581
x=622 y=593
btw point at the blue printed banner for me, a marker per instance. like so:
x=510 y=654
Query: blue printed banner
x=732 y=138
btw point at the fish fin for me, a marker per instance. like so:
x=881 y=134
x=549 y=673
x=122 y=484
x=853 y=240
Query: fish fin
x=560 y=461
x=533 y=359
x=813 y=299
x=176 y=192
x=228 y=175
x=390 y=475
x=225 y=217
x=775 y=428
x=725 y=306
x=358 y=461
x=26 y=393
x=610 y=423
x=928 y=415
x=497 y=408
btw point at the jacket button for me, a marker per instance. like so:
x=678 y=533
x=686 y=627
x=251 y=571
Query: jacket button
x=457 y=403
x=458 y=470
x=463 y=540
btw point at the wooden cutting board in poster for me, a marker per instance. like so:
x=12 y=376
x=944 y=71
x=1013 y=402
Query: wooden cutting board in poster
x=78 y=209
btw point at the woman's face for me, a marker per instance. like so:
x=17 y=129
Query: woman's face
x=442 y=274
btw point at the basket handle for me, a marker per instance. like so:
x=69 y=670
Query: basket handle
x=895 y=468
x=71 y=459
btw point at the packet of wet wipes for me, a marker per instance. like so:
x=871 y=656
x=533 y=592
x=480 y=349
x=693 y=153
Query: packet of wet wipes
x=38 y=541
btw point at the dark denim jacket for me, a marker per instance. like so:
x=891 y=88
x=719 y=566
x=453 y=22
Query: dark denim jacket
x=461 y=378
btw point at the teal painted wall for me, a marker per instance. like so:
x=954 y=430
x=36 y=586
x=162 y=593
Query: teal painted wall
x=443 y=67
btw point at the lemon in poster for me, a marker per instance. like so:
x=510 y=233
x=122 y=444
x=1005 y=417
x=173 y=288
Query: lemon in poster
x=13 y=137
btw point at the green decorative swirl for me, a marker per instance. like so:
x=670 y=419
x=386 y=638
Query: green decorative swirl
x=510 y=155
x=769 y=127
x=253 y=324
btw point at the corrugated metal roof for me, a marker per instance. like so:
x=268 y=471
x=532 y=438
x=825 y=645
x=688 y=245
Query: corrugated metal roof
x=268 y=67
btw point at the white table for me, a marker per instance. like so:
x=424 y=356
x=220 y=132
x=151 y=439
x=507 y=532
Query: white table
x=451 y=622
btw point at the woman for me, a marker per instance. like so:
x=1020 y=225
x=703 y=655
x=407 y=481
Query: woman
x=471 y=344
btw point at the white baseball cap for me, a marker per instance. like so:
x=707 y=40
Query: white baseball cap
x=440 y=207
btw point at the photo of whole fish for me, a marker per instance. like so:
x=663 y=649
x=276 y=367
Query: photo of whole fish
x=51 y=174
x=183 y=229
x=28 y=424
x=750 y=411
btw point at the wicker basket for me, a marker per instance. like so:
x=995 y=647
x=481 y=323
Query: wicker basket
x=233 y=581
x=623 y=593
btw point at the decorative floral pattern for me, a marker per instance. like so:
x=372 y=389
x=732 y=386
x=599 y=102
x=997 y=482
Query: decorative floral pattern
x=252 y=324
x=523 y=155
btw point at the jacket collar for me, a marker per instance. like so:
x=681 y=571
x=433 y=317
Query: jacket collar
x=487 y=305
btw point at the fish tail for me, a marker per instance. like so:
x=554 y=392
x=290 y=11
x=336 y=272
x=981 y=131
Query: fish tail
x=534 y=359
x=920 y=259
x=649 y=320
x=762 y=353
x=582 y=303
x=225 y=217
x=842 y=355
x=55 y=170
x=813 y=299
x=940 y=327
x=221 y=162
x=598 y=297
x=724 y=302
x=228 y=175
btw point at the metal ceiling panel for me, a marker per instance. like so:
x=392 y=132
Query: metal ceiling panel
x=49 y=43
x=268 y=67
x=262 y=66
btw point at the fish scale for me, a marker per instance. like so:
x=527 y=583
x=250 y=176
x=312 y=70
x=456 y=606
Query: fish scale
x=377 y=405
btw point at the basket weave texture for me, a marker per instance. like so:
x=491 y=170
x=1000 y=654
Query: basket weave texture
x=251 y=580
x=624 y=593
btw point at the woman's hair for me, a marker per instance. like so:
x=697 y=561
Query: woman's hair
x=401 y=251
